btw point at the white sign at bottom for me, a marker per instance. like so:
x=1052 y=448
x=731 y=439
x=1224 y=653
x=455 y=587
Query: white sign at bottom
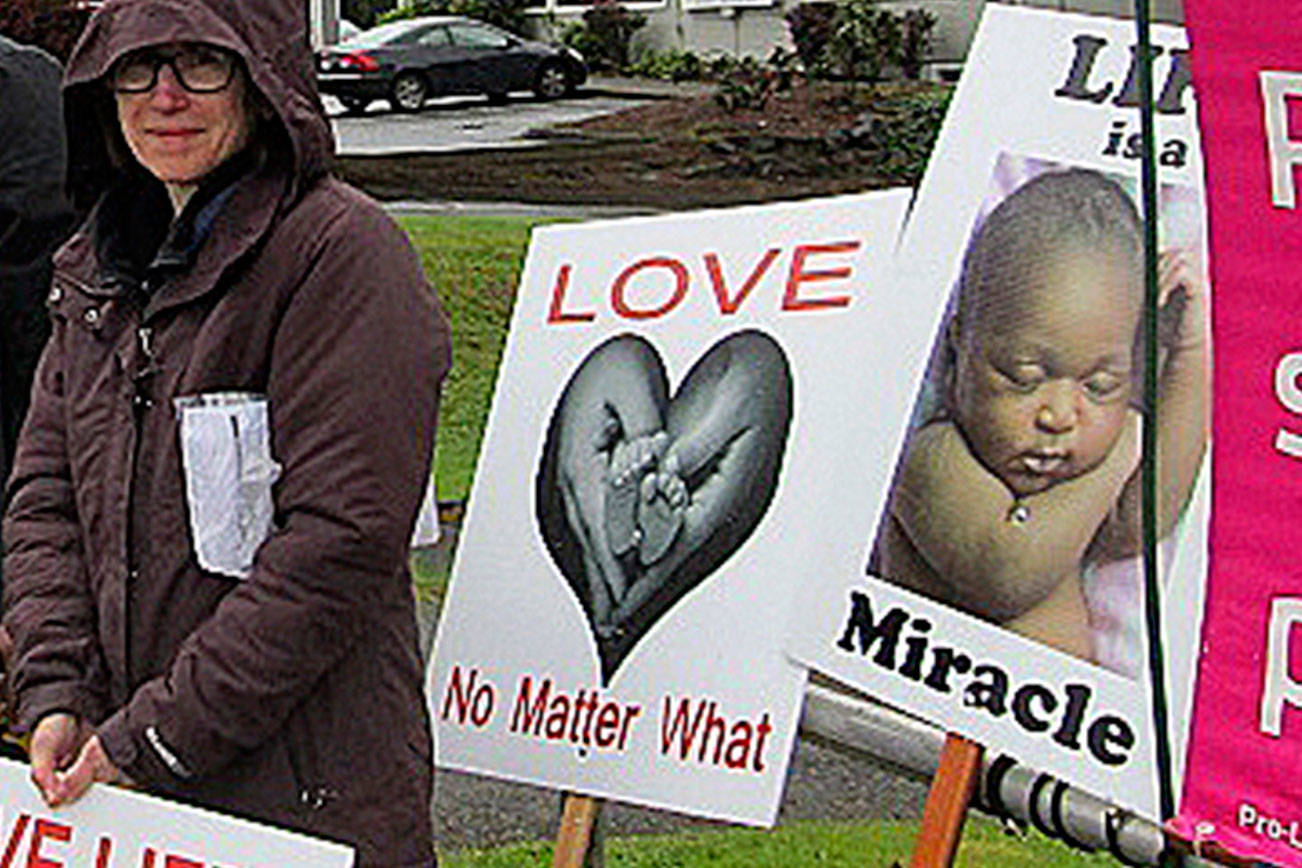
x=115 y=828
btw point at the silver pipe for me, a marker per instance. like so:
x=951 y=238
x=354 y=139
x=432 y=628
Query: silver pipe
x=1006 y=789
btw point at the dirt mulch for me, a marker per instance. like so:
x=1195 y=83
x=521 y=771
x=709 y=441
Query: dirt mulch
x=673 y=154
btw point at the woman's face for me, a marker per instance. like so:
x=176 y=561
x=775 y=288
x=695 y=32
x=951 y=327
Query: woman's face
x=1043 y=379
x=178 y=134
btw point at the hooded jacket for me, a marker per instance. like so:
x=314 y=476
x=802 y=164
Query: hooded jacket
x=34 y=220
x=292 y=696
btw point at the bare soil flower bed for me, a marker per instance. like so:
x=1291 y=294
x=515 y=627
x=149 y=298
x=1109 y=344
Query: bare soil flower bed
x=818 y=139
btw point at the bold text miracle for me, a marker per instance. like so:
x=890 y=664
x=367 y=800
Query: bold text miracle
x=983 y=686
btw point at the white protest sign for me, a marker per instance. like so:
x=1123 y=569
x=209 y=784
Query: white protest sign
x=1011 y=608
x=665 y=458
x=111 y=827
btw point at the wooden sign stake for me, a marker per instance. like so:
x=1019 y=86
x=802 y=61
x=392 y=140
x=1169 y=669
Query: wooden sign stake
x=947 y=801
x=575 y=837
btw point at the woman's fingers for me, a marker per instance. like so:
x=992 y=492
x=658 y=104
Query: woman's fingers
x=54 y=744
x=91 y=766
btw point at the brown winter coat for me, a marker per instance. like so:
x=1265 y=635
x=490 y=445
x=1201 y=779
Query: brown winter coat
x=294 y=696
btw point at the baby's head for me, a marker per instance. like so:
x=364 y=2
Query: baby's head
x=1043 y=338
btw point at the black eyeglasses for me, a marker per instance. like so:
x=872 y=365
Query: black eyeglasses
x=198 y=68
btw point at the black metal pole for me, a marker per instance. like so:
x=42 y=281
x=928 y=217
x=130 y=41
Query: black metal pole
x=1152 y=587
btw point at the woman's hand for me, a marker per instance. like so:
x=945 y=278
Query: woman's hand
x=67 y=758
x=56 y=741
x=92 y=766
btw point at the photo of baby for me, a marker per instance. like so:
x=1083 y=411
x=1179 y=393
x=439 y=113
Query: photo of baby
x=640 y=494
x=1017 y=496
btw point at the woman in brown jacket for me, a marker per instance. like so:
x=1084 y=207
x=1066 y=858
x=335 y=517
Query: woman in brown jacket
x=228 y=441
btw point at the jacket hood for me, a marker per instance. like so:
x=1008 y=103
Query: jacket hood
x=271 y=37
x=31 y=142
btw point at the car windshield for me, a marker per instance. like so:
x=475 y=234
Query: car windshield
x=394 y=31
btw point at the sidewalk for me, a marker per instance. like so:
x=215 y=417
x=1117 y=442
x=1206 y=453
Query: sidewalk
x=645 y=88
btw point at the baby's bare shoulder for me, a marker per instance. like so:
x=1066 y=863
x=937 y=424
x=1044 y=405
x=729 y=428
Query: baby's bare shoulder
x=933 y=436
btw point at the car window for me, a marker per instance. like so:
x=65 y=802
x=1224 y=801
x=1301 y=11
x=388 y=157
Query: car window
x=435 y=36
x=414 y=36
x=387 y=34
x=478 y=37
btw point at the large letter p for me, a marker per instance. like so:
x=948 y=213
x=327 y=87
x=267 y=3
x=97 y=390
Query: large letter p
x=1279 y=689
x=1285 y=153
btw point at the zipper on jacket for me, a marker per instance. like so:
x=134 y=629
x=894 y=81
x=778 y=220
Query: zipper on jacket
x=142 y=399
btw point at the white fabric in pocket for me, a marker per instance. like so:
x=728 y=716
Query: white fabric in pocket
x=426 y=532
x=229 y=471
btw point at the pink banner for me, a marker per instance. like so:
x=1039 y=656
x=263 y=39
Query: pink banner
x=1245 y=754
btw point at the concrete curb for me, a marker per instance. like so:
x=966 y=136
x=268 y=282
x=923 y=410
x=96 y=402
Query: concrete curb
x=512 y=209
x=646 y=88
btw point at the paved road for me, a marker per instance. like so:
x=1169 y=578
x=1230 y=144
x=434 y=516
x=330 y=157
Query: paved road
x=822 y=784
x=464 y=123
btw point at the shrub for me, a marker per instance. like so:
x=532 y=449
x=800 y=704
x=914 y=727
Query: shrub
x=858 y=41
x=915 y=40
x=508 y=14
x=810 y=26
x=50 y=24
x=671 y=65
x=751 y=84
x=577 y=36
x=864 y=40
x=721 y=66
x=905 y=144
x=605 y=35
x=364 y=13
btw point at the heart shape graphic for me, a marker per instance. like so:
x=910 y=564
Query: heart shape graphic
x=640 y=496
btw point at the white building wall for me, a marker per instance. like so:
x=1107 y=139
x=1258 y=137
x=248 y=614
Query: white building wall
x=754 y=27
x=958 y=18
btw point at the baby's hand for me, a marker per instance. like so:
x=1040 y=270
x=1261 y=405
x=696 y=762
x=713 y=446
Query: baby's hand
x=629 y=463
x=1182 y=315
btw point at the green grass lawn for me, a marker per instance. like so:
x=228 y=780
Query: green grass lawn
x=825 y=845
x=474 y=263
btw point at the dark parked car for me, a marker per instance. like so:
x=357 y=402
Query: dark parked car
x=407 y=62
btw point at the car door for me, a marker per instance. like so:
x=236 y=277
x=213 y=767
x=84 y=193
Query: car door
x=499 y=65
x=449 y=67
x=406 y=50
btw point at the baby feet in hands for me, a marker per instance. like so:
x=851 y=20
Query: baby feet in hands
x=645 y=498
x=630 y=463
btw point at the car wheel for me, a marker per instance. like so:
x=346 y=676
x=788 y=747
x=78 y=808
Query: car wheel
x=552 y=82
x=354 y=105
x=408 y=92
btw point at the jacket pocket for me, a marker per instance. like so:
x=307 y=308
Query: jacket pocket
x=229 y=471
